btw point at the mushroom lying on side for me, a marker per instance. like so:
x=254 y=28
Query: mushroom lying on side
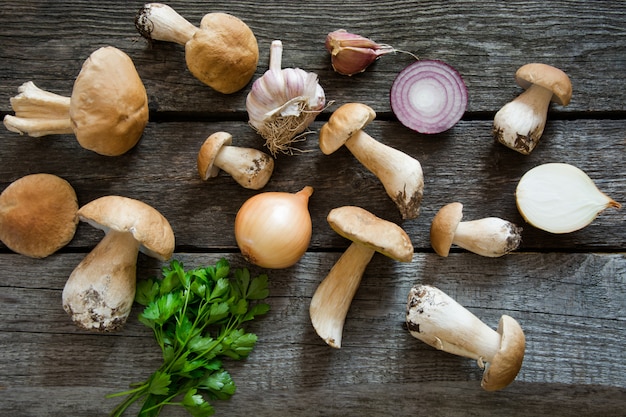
x=400 y=174
x=491 y=236
x=436 y=319
x=519 y=124
x=100 y=291
x=38 y=215
x=251 y=168
x=223 y=53
x=369 y=234
x=107 y=111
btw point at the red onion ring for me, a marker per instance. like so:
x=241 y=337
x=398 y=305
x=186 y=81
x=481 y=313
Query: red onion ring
x=429 y=96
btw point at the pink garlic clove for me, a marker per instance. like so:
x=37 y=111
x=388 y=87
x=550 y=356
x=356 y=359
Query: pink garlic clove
x=351 y=53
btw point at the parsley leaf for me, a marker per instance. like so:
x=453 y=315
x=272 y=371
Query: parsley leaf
x=197 y=319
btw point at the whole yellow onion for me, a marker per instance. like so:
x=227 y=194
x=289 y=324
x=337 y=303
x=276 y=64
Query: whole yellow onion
x=273 y=229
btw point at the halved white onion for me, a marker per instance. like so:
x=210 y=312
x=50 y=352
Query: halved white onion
x=560 y=198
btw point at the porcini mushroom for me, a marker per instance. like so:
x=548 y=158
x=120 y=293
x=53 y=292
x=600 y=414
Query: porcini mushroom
x=100 y=291
x=438 y=320
x=400 y=174
x=38 y=215
x=519 y=124
x=369 y=234
x=251 y=168
x=490 y=236
x=107 y=111
x=222 y=53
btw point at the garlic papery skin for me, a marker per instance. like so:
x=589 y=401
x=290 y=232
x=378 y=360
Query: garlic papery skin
x=283 y=103
x=351 y=54
x=560 y=198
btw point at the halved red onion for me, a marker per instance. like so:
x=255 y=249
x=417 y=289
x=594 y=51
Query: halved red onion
x=429 y=96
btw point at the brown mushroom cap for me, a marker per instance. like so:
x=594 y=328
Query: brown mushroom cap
x=506 y=364
x=224 y=54
x=443 y=227
x=38 y=215
x=361 y=226
x=109 y=103
x=208 y=152
x=124 y=214
x=547 y=77
x=342 y=124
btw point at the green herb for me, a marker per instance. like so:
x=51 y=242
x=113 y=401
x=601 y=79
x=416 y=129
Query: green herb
x=197 y=318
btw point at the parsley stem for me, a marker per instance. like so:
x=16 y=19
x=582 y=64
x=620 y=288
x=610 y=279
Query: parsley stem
x=130 y=391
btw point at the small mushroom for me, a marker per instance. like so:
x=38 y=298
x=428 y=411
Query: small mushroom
x=107 y=111
x=438 y=320
x=38 y=215
x=222 y=53
x=519 y=124
x=400 y=174
x=100 y=291
x=251 y=168
x=491 y=236
x=369 y=234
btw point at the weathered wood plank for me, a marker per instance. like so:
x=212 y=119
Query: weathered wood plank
x=567 y=291
x=47 y=43
x=439 y=399
x=573 y=317
x=464 y=165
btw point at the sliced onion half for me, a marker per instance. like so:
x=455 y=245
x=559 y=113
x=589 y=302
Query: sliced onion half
x=429 y=96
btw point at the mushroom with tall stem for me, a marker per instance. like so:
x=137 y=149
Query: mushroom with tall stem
x=107 y=111
x=251 y=168
x=100 y=291
x=369 y=234
x=438 y=320
x=222 y=53
x=400 y=174
x=519 y=124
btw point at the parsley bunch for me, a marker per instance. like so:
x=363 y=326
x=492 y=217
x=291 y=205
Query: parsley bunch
x=197 y=318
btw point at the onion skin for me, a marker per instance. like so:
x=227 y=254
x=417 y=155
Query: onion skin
x=273 y=229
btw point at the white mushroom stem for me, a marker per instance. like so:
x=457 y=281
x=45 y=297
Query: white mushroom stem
x=250 y=167
x=100 y=291
x=436 y=319
x=400 y=174
x=160 y=22
x=332 y=299
x=519 y=124
x=39 y=112
x=491 y=236
x=439 y=321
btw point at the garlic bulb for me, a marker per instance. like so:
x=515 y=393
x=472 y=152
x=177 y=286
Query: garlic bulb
x=560 y=198
x=283 y=103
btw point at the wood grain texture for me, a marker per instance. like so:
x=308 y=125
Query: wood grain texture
x=567 y=291
x=464 y=164
x=47 y=43
x=573 y=318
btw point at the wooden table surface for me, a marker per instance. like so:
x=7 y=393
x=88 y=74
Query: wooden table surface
x=567 y=291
